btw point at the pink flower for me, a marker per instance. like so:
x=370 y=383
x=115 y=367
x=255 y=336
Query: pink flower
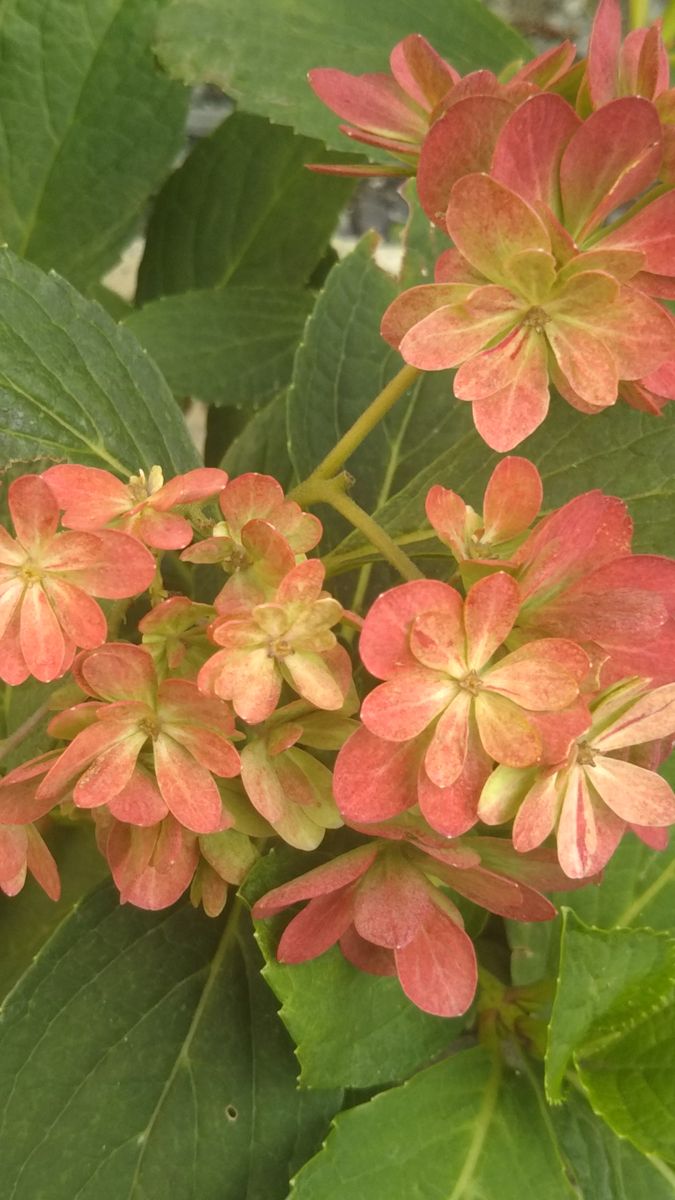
x=259 y=541
x=151 y=865
x=175 y=634
x=451 y=704
x=288 y=640
x=47 y=580
x=21 y=850
x=146 y=751
x=592 y=797
x=93 y=498
x=512 y=318
x=383 y=905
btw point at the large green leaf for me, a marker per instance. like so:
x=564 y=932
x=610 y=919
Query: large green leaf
x=89 y=128
x=260 y=52
x=460 y=1130
x=143 y=1052
x=73 y=385
x=228 y=346
x=608 y=981
x=242 y=209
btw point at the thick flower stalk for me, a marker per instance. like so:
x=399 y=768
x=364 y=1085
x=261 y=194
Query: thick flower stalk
x=48 y=579
x=454 y=702
x=382 y=903
x=597 y=792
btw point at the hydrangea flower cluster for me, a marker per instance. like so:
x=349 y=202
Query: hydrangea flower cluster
x=504 y=726
x=555 y=187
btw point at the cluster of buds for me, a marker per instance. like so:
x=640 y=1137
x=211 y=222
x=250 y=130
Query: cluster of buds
x=556 y=189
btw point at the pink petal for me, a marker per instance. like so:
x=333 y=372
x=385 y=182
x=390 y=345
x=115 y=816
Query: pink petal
x=330 y=877
x=364 y=956
x=651 y=231
x=123 y=568
x=187 y=787
x=585 y=362
x=536 y=818
x=13 y=855
x=512 y=501
x=180 y=701
x=374 y=102
x=413 y=305
x=635 y=795
x=11 y=553
x=41 y=864
x=391 y=903
x=451 y=334
x=139 y=802
x=13 y=669
x=79 y=616
x=644 y=68
x=489 y=224
x=10 y=598
x=548 y=67
x=529 y=148
x=164 y=531
x=34 y=511
x=448 y=514
x=421 y=72
x=208 y=747
x=507 y=734
x=603 y=52
x=383 y=643
x=42 y=642
x=110 y=772
x=459 y=143
x=656 y=839
x=402 y=707
x=559 y=729
x=588 y=831
x=540 y=675
x=615 y=155
x=76 y=757
x=249 y=678
x=318 y=927
x=444 y=760
x=437 y=969
x=583 y=534
x=191 y=488
x=507 y=416
x=91 y=497
x=452 y=810
x=490 y=609
x=649 y=718
x=374 y=780
x=250 y=497
x=120 y=671
x=500 y=895
x=312 y=679
x=303 y=583
x=638 y=332
x=18 y=792
x=171 y=856
x=437 y=641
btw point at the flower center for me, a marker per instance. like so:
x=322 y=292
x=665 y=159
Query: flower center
x=279 y=649
x=535 y=318
x=30 y=573
x=151 y=727
x=471 y=683
x=585 y=755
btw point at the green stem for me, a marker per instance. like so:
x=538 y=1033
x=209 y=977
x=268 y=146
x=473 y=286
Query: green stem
x=638 y=13
x=351 y=440
x=23 y=731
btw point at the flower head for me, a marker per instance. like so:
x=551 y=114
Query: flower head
x=47 y=580
x=512 y=501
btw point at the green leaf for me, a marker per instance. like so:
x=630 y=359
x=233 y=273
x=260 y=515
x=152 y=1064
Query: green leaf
x=73 y=385
x=260 y=53
x=263 y=445
x=232 y=346
x=350 y=1029
x=143 y=1048
x=458 y=1131
x=608 y=982
x=603 y=1166
x=243 y=209
x=89 y=128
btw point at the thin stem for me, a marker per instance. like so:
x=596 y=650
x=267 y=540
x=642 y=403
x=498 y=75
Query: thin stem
x=23 y=731
x=351 y=440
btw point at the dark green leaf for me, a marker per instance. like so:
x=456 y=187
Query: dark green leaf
x=457 y=1131
x=260 y=52
x=142 y=1051
x=243 y=210
x=232 y=346
x=73 y=385
x=89 y=128
x=608 y=981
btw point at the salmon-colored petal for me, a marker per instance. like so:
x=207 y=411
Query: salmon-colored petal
x=413 y=305
x=210 y=748
x=91 y=497
x=34 y=511
x=119 y=671
x=448 y=514
x=82 y=751
x=303 y=583
x=383 y=643
x=529 y=148
x=513 y=498
x=490 y=610
x=650 y=230
x=162 y=530
x=374 y=780
x=638 y=332
x=12 y=554
x=445 y=758
x=540 y=675
x=190 y=488
x=330 y=877
x=613 y=157
x=537 y=816
x=421 y=72
x=506 y=897
x=391 y=903
x=10 y=598
x=462 y=141
x=583 y=534
x=187 y=788
x=603 y=52
x=452 y=810
x=402 y=707
x=508 y=415
x=318 y=927
x=489 y=224
x=139 y=802
x=451 y=334
x=313 y=679
x=43 y=645
x=374 y=102
x=437 y=968
x=41 y=864
x=180 y=701
x=109 y=773
x=632 y=793
x=123 y=567
x=649 y=718
x=249 y=678
x=507 y=733
x=585 y=362
x=79 y=616
x=548 y=67
x=588 y=831
x=13 y=669
x=437 y=641
x=375 y=960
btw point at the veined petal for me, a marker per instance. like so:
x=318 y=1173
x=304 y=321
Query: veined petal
x=437 y=969
x=123 y=567
x=437 y=641
x=82 y=751
x=12 y=554
x=490 y=610
x=585 y=362
x=603 y=52
x=374 y=102
x=332 y=876
x=187 y=787
x=120 y=671
x=110 y=772
x=374 y=780
x=445 y=758
x=10 y=597
x=588 y=831
x=507 y=733
x=529 y=148
x=421 y=72
x=540 y=675
x=391 y=903
x=489 y=224
x=453 y=810
x=651 y=717
x=634 y=794
x=510 y=414
x=652 y=231
x=318 y=927
x=91 y=497
x=451 y=334
x=375 y=960
x=313 y=679
x=413 y=305
x=34 y=511
x=638 y=332
x=139 y=802
x=79 y=616
x=402 y=707
x=210 y=748
x=460 y=142
x=42 y=642
x=513 y=498
x=383 y=644
x=536 y=818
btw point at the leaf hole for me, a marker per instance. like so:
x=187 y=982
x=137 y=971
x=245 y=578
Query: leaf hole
x=231 y=1112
